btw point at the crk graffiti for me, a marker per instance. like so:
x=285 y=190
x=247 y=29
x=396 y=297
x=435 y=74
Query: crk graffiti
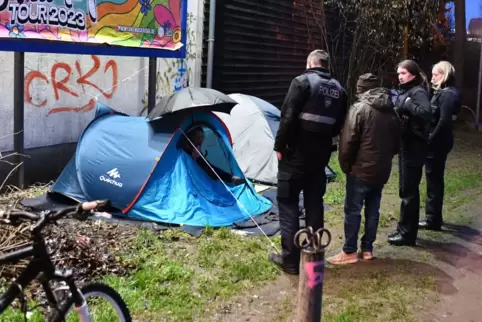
x=59 y=78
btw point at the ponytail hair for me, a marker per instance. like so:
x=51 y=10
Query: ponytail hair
x=413 y=68
x=448 y=74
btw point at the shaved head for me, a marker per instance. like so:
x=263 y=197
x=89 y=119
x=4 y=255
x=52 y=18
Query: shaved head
x=318 y=58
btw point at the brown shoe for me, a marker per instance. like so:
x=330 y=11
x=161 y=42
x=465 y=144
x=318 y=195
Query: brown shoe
x=343 y=258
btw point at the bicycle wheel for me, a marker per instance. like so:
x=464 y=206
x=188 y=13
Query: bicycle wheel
x=99 y=312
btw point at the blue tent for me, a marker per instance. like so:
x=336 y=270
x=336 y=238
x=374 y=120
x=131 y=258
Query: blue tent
x=142 y=169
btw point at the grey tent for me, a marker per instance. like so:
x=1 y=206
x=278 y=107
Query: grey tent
x=253 y=124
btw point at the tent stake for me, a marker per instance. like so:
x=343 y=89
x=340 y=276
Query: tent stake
x=18 y=114
x=312 y=263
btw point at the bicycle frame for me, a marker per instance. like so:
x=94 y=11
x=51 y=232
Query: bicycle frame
x=40 y=264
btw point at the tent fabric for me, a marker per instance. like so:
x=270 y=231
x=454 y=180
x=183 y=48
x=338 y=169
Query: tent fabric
x=142 y=169
x=253 y=136
x=253 y=125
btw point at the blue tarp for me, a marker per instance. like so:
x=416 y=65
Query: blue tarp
x=141 y=168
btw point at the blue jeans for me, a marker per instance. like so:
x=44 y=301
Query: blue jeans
x=359 y=193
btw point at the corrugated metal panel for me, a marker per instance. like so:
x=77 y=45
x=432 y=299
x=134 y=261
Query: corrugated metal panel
x=260 y=46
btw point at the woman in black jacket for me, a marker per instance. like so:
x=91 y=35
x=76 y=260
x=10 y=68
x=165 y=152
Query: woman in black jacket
x=413 y=108
x=446 y=102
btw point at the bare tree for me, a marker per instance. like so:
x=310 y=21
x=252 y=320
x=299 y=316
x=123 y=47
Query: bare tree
x=375 y=30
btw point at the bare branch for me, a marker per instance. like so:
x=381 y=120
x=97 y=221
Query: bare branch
x=9 y=174
x=364 y=35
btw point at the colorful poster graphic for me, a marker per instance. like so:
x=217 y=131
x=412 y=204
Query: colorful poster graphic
x=154 y=24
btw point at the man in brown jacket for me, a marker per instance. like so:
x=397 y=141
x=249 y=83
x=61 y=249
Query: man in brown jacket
x=368 y=142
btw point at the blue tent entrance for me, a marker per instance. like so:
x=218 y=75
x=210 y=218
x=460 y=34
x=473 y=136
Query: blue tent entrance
x=140 y=166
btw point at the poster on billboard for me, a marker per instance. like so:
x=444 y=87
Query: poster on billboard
x=108 y=27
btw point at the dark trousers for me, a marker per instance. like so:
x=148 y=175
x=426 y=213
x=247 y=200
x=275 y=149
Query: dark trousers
x=411 y=160
x=359 y=193
x=434 y=174
x=290 y=185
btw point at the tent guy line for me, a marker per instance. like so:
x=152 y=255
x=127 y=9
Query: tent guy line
x=230 y=192
x=122 y=81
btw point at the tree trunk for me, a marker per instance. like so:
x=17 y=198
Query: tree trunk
x=405 y=42
x=460 y=38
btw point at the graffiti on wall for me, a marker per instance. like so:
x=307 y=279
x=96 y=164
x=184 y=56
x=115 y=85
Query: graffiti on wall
x=66 y=81
x=174 y=78
x=177 y=73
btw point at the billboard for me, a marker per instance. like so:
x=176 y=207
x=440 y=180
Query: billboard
x=154 y=28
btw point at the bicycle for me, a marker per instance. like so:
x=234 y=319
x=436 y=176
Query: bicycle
x=42 y=266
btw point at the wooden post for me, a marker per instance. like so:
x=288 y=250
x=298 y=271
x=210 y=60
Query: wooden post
x=312 y=263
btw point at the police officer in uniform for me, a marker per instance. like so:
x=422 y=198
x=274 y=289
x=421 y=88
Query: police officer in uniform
x=312 y=114
x=415 y=113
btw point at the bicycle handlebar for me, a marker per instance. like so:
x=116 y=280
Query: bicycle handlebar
x=81 y=212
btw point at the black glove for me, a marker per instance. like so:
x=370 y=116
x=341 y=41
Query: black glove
x=404 y=123
x=401 y=109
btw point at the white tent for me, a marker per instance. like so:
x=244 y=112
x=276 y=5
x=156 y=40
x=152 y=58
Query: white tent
x=253 y=124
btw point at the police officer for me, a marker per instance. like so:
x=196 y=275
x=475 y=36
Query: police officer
x=312 y=114
x=446 y=102
x=415 y=113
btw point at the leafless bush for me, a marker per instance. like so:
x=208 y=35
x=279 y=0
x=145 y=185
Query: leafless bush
x=370 y=36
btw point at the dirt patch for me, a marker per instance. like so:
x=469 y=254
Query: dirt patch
x=454 y=254
x=273 y=302
x=459 y=254
x=276 y=301
x=439 y=280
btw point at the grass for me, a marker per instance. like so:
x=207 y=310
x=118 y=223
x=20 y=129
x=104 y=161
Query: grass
x=181 y=278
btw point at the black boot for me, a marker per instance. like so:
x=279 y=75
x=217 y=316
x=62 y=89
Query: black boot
x=278 y=261
x=399 y=240
x=429 y=226
x=393 y=233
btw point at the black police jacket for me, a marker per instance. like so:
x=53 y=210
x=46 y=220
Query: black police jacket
x=314 y=110
x=445 y=103
x=413 y=107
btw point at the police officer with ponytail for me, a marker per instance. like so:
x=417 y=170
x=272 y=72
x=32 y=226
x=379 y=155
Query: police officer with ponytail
x=312 y=114
x=415 y=113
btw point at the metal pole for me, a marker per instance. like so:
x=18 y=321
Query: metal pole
x=212 y=22
x=312 y=264
x=479 y=84
x=18 y=114
x=152 y=84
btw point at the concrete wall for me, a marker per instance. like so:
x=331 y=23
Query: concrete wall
x=61 y=90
